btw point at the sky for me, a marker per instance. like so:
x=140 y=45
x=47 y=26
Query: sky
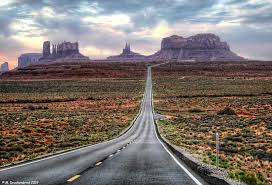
x=102 y=27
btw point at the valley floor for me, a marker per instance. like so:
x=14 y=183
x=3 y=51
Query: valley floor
x=238 y=107
x=42 y=112
x=42 y=117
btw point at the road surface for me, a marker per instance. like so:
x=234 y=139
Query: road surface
x=137 y=157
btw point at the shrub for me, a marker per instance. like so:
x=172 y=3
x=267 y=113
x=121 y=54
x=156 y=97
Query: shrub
x=26 y=130
x=229 y=149
x=31 y=107
x=235 y=138
x=40 y=149
x=248 y=178
x=5 y=155
x=226 y=111
x=262 y=155
x=17 y=148
x=195 y=110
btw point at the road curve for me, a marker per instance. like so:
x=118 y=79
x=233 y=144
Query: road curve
x=136 y=157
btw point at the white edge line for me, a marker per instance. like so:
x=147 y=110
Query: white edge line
x=173 y=157
x=83 y=147
x=180 y=165
x=46 y=158
x=76 y=150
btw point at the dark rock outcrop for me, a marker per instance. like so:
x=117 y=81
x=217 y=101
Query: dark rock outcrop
x=127 y=55
x=4 y=67
x=46 y=49
x=200 y=47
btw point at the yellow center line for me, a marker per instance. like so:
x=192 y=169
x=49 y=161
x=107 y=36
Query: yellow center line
x=73 y=178
x=97 y=164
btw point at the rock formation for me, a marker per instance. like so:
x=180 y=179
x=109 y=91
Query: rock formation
x=54 y=50
x=46 y=49
x=66 y=48
x=4 y=67
x=127 y=55
x=200 y=47
x=27 y=59
x=62 y=52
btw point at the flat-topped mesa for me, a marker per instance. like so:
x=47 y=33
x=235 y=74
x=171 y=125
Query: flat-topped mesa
x=127 y=55
x=61 y=52
x=200 y=47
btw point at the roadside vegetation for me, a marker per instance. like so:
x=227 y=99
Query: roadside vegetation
x=238 y=107
x=46 y=116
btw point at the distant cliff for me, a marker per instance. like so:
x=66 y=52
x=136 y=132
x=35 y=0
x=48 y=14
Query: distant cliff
x=200 y=47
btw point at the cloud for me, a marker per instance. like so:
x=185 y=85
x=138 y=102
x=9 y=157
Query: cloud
x=102 y=26
x=10 y=50
x=5 y=26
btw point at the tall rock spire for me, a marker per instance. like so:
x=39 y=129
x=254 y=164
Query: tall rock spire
x=46 y=49
x=127 y=55
x=126 y=50
x=54 y=50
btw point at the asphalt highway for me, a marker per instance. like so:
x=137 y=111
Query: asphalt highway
x=137 y=157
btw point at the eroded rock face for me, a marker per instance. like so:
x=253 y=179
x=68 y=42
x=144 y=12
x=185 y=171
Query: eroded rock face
x=66 y=48
x=172 y=42
x=27 y=59
x=65 y=51
x=127 y=55
x=198 y=47
x=205 y=41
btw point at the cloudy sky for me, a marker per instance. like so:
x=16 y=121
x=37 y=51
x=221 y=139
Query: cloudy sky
x=103 y=26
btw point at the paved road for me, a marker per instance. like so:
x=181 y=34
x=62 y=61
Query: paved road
x=137 y=157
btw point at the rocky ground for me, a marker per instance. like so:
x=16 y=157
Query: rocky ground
x=39 y=117
x=96 y=101
x=75 y=70
x=231 y=98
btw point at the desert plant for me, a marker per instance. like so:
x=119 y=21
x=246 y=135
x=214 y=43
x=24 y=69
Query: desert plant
x=195 y=110
x=226 y=111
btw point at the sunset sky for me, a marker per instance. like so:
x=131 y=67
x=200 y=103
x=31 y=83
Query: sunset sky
x=103 y=26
